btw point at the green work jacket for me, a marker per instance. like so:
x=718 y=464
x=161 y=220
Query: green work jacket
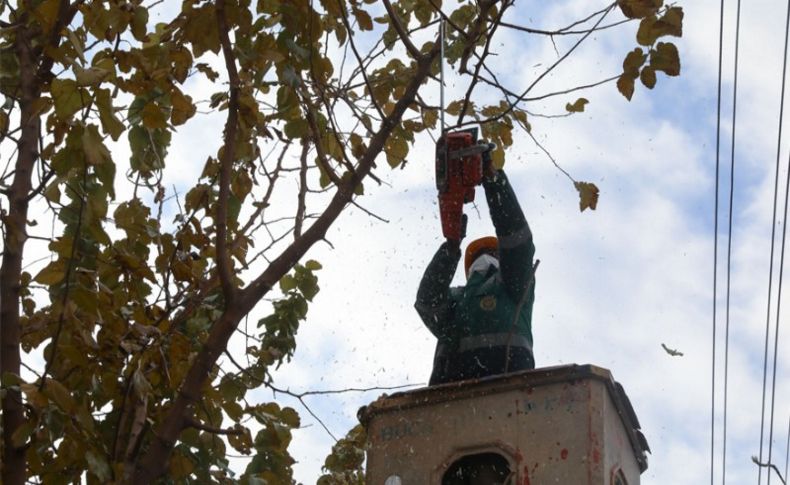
x=481 y=315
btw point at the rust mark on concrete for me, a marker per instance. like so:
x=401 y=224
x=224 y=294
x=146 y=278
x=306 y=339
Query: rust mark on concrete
x=564 y=453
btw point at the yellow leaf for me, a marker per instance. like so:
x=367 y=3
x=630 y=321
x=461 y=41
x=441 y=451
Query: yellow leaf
x=139 y=23
x=180 y=466
x=637 y=9
x=577 y=106
x=67 y=97
x=588 y=195
x=632 y=62
x=498 y=159
x=93 y=147
x=51 y=274
x=153 y=117
x=648 y=77
x=183 y=109
x=397 y=148
x=454 y=108
x=665 y=58
x=57 y=393
x=3 y=123
x=625 y=84
x=93 y=76
x=429 y=117
x=652 y=27
x=363 y=19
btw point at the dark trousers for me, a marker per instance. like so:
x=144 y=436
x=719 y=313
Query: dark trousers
x=481 y=362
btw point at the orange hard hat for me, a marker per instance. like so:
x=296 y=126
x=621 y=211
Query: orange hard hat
x=478 y=246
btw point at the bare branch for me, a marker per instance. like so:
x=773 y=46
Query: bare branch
x=193 y=423
x=226 y=157
x=356 y=54
x=300 y=202
x=520 y=98
x=404 y=36
x=769 y=465
x=371 y=214
x=482 y=58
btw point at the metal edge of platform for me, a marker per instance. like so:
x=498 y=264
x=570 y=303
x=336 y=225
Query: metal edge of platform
x=530 y=378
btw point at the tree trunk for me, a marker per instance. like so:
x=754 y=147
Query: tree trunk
x=14 y=464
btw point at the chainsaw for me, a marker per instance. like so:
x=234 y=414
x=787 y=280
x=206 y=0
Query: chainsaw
x=460 y=162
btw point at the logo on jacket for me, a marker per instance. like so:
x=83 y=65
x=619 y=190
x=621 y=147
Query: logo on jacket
x=488 y=303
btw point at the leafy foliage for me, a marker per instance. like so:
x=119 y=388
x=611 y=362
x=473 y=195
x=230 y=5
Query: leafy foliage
x=146 y=286
x=344 y=465
x=656 y=22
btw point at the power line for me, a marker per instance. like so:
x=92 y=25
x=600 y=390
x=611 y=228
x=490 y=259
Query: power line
x=778 y=312
x=716 y=250
x=787 y=447
x=729 y=243
x=773 y=239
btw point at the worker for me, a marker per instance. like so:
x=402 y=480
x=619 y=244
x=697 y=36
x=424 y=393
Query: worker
x=485 y=327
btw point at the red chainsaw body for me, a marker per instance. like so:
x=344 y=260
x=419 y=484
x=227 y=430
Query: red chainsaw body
x=457 y=175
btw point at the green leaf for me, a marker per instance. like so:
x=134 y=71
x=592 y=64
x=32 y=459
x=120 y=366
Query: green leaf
x=396 y=149
x=313 y=265
x=287 y=283
x=67 y=97
x=109 y=122
x=93 y=147
x=296 y=128
x=577 y=106
x=140 y=23
x=588 y=195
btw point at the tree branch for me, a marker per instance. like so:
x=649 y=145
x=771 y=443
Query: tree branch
x=193 y=423
x=404 y=36
x=522 y=97
x=482 y=58
x=226 y=158
x=300 y=198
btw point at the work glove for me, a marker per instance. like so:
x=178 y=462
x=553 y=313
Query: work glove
x=457 y=244
x=488 y=166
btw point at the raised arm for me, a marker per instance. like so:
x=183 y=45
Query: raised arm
x=433 y=297
x=516 y=249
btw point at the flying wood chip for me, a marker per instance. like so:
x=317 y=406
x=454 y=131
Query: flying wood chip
x=672 y=352
x=588 y=195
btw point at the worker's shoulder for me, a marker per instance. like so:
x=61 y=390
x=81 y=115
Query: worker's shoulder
x=456 y=292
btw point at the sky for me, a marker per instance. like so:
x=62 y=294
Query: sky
x=613 y=284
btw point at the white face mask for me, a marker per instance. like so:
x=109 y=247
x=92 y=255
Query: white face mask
x=482 y=264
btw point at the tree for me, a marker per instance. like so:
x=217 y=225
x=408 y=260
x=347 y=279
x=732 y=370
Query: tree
x=133 y=313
